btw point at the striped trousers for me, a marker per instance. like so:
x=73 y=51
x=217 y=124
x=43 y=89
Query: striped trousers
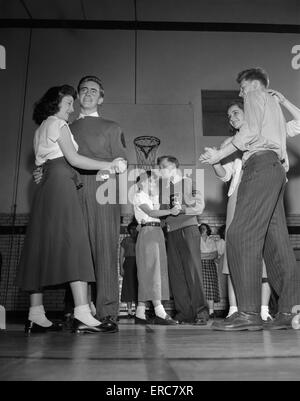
x=259 y=230
x=103 y=225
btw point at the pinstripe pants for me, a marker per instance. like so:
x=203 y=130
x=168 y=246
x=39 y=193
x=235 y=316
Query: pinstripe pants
x=103 y=224
x=259 y=230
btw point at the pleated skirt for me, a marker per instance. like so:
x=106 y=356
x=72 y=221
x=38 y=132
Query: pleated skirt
x=56 y=248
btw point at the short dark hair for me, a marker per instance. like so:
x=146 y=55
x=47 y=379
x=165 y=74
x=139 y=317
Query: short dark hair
x=208 y=229
x=131 y=226
x=92 y=78
x=171 y=159
x=254 y=74
x=48 y=105
x=144 y=176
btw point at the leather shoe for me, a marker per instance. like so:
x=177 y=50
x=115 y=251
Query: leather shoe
x=280 y=322
x=81 y=328
x=167 y=321
x=239 y=321
x=108 y=325
x=137 y=320
x=33 y=328
x=201 y=318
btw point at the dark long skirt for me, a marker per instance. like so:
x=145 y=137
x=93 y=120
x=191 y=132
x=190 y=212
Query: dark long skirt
x=56 y=248
x=130 y=283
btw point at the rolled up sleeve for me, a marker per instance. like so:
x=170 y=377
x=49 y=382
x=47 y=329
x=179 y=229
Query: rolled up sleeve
x=249 y=133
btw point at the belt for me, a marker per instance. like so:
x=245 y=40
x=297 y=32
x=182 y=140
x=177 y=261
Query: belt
x=152 y=224
x=262 y=152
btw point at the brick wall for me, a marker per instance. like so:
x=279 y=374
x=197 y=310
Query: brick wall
x=11 y=244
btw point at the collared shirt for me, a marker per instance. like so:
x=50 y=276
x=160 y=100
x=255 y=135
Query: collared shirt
x=45 y=142
x=94 y=114
x=265 y=127
x=142 y=198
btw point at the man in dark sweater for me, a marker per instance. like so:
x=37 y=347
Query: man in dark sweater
x=183 y=243
x=100 y=139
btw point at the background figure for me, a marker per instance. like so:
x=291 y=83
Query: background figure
x=128 y=269
x=209 y=254
x=232 y=171
x=151 y=256
x=221 y=246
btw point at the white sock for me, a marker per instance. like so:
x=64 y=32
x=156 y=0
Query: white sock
x=264 y=312
x=93 y=308
x=140 y=312
x=37 y=315
x=83 y=314
x=232 y=310
x=211 y=311
x=160 y=311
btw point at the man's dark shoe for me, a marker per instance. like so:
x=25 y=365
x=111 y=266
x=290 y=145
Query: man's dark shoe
x=281 y=321
x=201 y=318
x=108 y=325
x=239 y=321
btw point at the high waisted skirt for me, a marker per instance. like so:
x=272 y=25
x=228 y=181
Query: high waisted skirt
x=56 y=248
x=152 y=265
x=210 y=280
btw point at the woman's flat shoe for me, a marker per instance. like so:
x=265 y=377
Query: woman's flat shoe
x=167 y=321
x=137 y=320
x=33 y=328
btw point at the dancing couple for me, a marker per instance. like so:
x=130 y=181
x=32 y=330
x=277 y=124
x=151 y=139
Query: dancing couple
x=70 y=237
x=258 y=229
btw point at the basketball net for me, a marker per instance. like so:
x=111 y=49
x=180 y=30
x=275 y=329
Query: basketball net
x=146 y=149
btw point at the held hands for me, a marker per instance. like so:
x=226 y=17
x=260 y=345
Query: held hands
x=175 y=210
x=37 y=175
x=278 y=96
x=118 y=165
x=210 y=156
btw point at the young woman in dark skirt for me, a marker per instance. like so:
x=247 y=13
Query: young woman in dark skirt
x=128 y=269
x=56 y=248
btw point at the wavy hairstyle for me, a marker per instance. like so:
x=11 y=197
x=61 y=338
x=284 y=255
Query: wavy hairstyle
x=240 y=104
x=48 y=105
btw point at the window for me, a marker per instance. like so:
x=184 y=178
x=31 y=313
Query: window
x=214 y=111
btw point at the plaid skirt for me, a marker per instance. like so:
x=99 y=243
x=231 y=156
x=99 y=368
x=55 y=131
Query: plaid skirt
x=210 y=280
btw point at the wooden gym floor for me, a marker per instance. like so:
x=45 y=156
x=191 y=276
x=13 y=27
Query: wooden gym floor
x=150 y=353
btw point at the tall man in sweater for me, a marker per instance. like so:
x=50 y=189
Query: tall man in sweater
x=183 y=244
x=101 y=139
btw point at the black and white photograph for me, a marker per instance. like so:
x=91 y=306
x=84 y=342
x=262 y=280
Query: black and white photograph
x=149 y=193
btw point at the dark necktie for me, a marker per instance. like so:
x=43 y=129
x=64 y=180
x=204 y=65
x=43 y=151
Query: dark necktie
x=172 y=192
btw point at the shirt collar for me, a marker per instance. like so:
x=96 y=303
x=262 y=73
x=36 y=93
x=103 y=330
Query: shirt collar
x=94 y=114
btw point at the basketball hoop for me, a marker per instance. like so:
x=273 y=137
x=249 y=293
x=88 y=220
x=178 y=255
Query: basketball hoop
x=146 y=148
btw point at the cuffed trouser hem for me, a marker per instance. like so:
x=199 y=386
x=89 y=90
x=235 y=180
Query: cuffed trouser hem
x=249 y=308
